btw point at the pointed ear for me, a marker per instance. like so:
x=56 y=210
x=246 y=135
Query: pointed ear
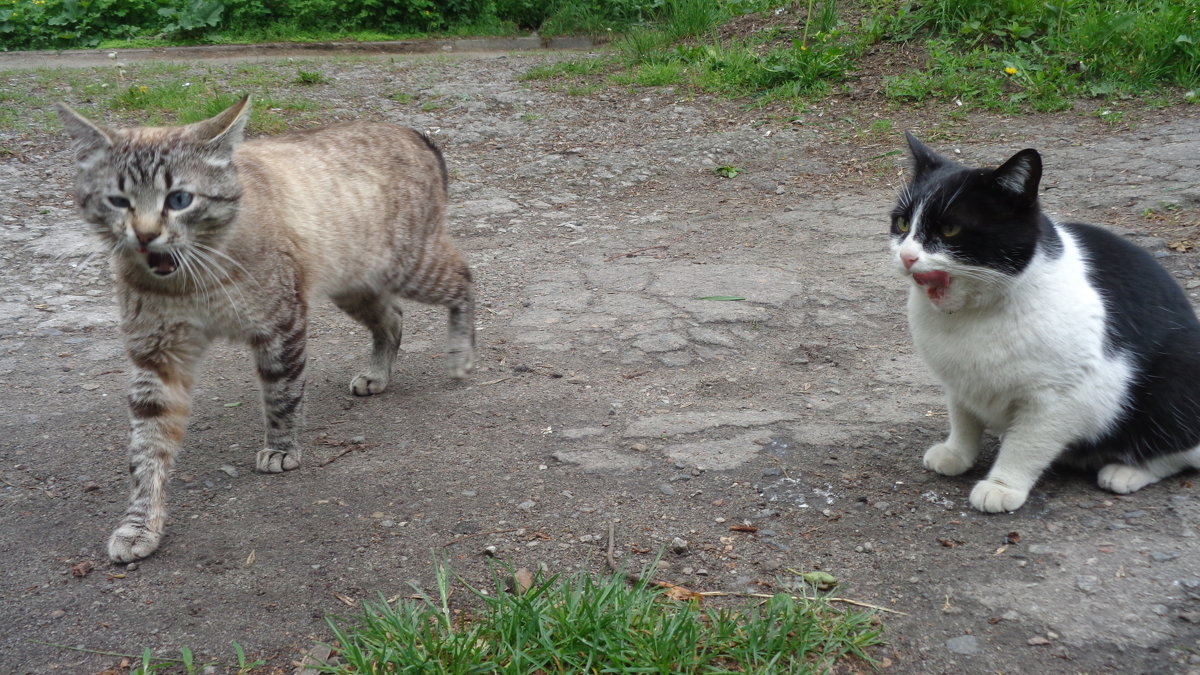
x=226 y=129
x=924 y=159
x=1020 y=175
x=88 y=136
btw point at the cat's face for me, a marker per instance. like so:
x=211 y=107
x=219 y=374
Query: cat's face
x=161 y=197
x=961 y=233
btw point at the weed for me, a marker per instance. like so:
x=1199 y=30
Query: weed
x=310 y=77
x=726 y=171
x=583 y=624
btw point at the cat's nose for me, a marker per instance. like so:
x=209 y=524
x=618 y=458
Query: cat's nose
x=908 y=260
x=144 y=237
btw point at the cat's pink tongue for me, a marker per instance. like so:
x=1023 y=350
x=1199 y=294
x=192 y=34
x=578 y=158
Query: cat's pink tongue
x=935 y=283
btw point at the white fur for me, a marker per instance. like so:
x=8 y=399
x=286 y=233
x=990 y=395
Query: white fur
x=1022 y=355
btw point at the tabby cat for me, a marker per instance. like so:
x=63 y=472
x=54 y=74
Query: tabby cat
x=212 y=237
x=1069 y=341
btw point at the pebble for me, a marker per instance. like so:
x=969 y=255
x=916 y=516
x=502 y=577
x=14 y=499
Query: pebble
x=679 y=545
x=1087 y=583
x=1164 y=556
x=965 y=645
x=527 y=505
x=666 y=489
x=229 y=470
x=58 y=614
x=358 y=440
x=131 y=567
x=1037 y=640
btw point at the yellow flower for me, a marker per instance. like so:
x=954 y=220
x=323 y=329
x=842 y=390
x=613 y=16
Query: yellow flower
x=1010 y=70
x=143 y=88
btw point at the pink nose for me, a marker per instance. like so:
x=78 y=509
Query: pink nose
x=908 y=260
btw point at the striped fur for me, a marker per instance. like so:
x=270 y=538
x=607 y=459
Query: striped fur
x=212 y=237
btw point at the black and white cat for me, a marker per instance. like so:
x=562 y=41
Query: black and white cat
x=1068 y=341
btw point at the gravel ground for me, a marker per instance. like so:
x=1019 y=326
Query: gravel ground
x=606 y=392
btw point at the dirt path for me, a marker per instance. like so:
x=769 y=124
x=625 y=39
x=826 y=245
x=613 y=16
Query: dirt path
x=606 y=392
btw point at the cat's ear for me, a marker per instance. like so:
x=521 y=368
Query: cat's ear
x=89 y=138
x=226 y=129
x=1020 y=175
x=924 y=159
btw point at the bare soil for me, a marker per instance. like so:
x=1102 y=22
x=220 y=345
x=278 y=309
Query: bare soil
x=607 y=392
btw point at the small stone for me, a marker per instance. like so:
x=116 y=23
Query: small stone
x=229 y=470
x=358 y=440
x=1134 y=514
x=965 y=645
x=718 y=519
x=679 y=545
x=1160 y=610
x=527 y=505
x=489 y=551
x=771 y=564
x=1087 y=583
x=1164 y=556
x=387 y=522
x=90 y=487
x=58 y=614
x=1190 y=617
x=772 y=472
x=131 y=567
x=1037 y=640
x=639 y=447
x=666 y=489
x=470 y=493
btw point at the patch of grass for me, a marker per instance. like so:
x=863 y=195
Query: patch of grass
x=402 y=97
x=310 y=78
x=147 y=663
x=585 y=625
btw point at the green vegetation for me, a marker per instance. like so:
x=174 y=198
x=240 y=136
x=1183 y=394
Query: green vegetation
x=1007 y=56
x=584 y=625
x=147 y=663
x=56 y=24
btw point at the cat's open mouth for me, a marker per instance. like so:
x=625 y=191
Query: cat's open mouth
x=161 y=264
x=935 y=284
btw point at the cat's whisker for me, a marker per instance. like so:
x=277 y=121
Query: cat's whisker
x=208 y=264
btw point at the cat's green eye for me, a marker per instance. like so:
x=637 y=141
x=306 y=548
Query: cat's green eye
x=118 y=202
x=951 y=230
x=902 y=224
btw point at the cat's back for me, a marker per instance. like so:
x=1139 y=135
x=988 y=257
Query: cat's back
x=1144 y=305
x=357 y=150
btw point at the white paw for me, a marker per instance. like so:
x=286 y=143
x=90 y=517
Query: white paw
x=1123 y=478
x=276 y=461
x=992 y=497
x=131 y=542
x=367 y=385
x=947 y=459
x=458 y=364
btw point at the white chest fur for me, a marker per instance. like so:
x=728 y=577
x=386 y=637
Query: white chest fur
x=1036 y=340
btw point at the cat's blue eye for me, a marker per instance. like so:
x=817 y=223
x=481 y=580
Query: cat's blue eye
x=118 y=202
x=951 y=230
x=179 y=200
x=902 y=224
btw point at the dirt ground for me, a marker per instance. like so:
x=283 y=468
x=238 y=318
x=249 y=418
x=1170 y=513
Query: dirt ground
x=607 y=392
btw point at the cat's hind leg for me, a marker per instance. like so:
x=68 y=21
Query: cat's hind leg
x=280 y=356
x=958 y=452
x=384 y=317
x=1126 y=478
x=443 y=278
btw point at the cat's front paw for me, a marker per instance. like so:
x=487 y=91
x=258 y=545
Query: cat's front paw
x=1123 y=478
x=132 y=541
x=459 y=364
x=276 y=461
x=948 y=460
x=991 y=497
x=368 y=384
